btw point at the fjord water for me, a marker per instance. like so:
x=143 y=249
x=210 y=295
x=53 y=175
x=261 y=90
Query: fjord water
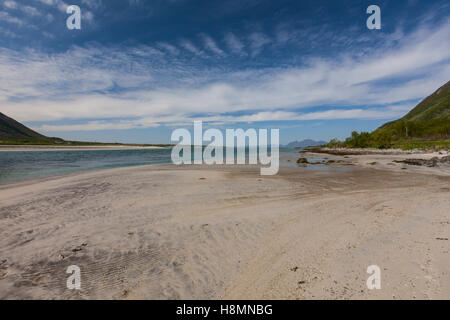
x=16 y=166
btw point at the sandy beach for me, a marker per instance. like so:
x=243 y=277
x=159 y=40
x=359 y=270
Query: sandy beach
x=225 y=232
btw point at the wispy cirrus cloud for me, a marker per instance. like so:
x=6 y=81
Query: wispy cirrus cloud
x=235 y=45
x=168 y=47
x=138 y=86
x=10 y=4
x=5 y=16
x=264 y=116
x=59 y=4
x=257 y=42
x=189 y=46
x=211 y=45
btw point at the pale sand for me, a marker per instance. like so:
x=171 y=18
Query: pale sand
x=198 y=232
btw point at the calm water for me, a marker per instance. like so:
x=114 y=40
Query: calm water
x=16 y=166
x=25 y=165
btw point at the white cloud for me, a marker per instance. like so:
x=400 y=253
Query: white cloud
x=13 y=5
x=95 y=125
x=211 y=45
x=234 y=44
x=93 y=4
x=8 y=33
x=30 y=11
x=189 y=46
x=88 y=15
x=59 y=4
x=76 y=84
x=49 y=17
x=182 y=119
x=168 y=47
x=257 y=41
x=10 y=4
x=5 y=16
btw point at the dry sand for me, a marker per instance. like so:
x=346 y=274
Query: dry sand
x=201 y=232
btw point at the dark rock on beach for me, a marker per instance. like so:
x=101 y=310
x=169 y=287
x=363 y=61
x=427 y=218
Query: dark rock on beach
x=302 y=160
x=433 y=162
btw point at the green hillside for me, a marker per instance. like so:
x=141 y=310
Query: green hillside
x=434 y=107
x=430 y=119
x=427 y=126
x=12 y=131
x=15 y=133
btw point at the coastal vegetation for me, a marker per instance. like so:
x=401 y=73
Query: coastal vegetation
x=427 y=126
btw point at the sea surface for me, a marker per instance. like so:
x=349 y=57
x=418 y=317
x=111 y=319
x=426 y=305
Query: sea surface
x=18 y=166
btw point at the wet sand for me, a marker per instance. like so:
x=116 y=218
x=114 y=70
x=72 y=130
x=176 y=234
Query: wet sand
x=220 y=232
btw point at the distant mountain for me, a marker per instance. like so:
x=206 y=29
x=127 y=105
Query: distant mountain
x=305 y=143
x=12 y=131
x=430 y=119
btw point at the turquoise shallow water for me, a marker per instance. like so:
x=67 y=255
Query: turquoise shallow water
x=16 y=166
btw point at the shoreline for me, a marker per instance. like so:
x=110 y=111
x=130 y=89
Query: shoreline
x=73 y=148
x=437 y=163
x=369 y=151
x=384 y=161
x=225 y=232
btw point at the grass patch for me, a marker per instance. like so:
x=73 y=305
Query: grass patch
x=424 y=145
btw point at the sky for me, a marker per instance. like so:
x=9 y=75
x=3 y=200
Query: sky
x=137 y=70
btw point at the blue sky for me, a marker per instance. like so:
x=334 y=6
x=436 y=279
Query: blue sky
x=139 y=69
